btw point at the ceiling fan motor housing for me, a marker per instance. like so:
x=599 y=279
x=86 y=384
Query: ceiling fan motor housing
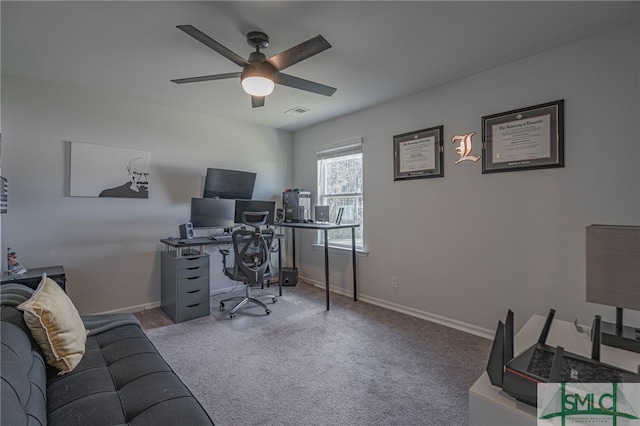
x=257 y=66
x=257 y=57
x=257 y=76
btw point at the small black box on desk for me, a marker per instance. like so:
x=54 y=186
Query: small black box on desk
x=289 y=276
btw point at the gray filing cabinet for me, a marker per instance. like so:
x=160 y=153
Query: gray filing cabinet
x=185 y=285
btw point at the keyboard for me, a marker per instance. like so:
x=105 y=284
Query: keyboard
x=221 y=238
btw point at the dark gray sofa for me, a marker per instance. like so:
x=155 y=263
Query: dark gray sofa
x=121 y=380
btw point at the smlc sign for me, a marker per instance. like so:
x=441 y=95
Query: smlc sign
x=588 y=403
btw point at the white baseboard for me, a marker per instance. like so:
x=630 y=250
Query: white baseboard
x=132 y=309
x=154 y=305
x=447 y=322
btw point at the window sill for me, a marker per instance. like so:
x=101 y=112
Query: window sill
x=340 y=249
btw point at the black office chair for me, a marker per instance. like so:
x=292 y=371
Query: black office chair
x=252 y=250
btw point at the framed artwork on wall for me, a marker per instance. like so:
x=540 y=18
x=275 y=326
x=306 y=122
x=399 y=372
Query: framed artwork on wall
x=526 y=138
x=108 y=171
x=419 y=154
x=4 y=195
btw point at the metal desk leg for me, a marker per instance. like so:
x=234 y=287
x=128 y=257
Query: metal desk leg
x=326 y=266
x=280 y=267
x=353 y=259
x=293 y=245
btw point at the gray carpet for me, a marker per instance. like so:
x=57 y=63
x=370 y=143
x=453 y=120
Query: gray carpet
x=251 y=315
x=357 y=364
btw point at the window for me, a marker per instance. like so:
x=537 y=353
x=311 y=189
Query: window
x=340 y=185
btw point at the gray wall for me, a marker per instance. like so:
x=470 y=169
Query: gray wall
x=110 y=248
x=467 y=247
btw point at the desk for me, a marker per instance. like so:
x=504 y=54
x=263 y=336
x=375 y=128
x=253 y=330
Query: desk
x=326 y=227
x=488 y=405
x=180 y=244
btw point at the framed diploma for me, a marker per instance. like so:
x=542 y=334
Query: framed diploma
x=418 y=155
x=527 y=138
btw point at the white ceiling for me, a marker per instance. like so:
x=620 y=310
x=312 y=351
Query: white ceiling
x=381 y=50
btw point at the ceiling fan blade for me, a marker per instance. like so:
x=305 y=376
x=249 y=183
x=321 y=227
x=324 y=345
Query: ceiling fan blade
x=206 y=78
x=209 y=42
x=299 y=53
x=302 y=84
x=257 y=101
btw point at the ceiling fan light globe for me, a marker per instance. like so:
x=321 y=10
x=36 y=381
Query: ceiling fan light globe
x=257 y=85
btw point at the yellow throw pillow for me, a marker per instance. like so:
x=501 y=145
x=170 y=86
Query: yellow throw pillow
x=56 y=325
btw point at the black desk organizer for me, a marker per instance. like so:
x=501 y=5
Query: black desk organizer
x=519 y=376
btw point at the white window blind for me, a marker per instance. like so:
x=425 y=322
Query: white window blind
x=340 y=185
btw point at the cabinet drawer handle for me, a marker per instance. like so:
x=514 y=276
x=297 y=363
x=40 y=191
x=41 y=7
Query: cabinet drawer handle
x=193 y=278
x=193 y=291
x=193 y=268
x=192 y=306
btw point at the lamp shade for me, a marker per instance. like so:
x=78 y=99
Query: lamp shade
x=256 y=85
x=613 y=265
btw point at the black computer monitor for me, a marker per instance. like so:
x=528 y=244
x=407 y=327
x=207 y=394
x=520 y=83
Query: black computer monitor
x=212 y=213
x=255 y=206
x=229 y=184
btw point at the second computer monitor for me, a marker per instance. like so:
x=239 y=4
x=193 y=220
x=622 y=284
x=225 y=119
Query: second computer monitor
x=212 y=213
x=255 y=206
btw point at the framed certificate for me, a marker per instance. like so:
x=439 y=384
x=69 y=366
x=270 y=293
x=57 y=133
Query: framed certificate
x=418 y=155
x=527 y=138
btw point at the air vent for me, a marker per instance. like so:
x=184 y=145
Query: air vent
x=297 y=110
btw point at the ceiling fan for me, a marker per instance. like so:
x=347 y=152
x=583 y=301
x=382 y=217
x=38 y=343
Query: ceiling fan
x=259 y=75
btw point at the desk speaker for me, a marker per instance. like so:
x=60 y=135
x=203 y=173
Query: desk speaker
x=186 y=231
x=289 y=276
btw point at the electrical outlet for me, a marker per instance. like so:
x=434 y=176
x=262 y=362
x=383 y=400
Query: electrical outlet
x=394 y=282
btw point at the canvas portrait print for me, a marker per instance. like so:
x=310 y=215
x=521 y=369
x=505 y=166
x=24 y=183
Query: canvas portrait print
x=107 y=171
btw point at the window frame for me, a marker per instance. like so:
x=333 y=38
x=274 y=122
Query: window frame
x=342 y=149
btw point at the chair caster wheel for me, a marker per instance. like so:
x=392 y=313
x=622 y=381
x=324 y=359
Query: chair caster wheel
x=232 y=316
x=268 y=311
x=221 y=306
x=274 y=300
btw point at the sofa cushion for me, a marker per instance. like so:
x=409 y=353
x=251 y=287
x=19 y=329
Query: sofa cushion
x=23 y=371
x=122 y=379
x=56 y=325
